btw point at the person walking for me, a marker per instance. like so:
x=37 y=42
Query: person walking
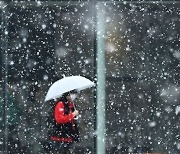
x=62 y=124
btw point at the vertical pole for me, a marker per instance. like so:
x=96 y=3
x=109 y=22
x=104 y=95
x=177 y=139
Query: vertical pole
x=5 y=74
x=100 y=78
x=94 y=19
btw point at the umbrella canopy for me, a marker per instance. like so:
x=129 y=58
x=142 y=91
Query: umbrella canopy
x=67 y=84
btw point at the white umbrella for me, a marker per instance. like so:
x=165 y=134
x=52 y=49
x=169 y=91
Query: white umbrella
x=67 y=84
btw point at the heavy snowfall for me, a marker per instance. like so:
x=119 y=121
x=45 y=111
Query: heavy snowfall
x=43 y=41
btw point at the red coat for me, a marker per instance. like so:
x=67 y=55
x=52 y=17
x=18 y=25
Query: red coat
x=59 y=113
x=63 y=127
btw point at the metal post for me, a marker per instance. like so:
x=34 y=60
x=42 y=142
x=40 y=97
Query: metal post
x=100 y=78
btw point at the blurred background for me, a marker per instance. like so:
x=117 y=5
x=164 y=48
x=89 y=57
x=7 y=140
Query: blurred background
x=42 y=41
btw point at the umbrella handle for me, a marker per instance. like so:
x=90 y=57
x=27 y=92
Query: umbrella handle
x=77 y=117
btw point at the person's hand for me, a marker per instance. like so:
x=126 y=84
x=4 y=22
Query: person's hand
x=76 y=113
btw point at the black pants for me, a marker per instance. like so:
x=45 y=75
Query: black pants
x=59 y=147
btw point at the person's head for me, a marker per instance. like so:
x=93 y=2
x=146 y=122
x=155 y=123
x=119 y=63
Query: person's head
x=71 y=95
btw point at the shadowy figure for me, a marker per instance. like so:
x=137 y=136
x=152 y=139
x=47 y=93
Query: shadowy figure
x=62 y=125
